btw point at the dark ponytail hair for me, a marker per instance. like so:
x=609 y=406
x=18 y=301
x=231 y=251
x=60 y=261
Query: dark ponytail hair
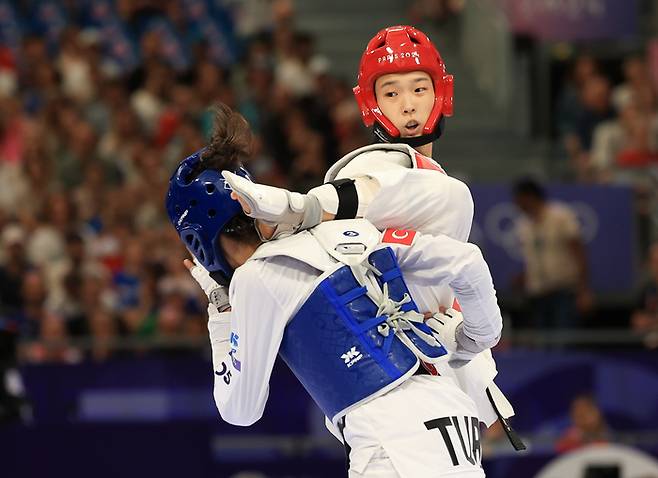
x=230 y=144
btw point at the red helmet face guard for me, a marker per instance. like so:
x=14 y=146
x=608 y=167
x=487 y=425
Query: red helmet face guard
x=402 y=49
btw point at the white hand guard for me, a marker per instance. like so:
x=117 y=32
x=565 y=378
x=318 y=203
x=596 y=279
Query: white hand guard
x=288 y=211
x=217 y=294
x=449 y=329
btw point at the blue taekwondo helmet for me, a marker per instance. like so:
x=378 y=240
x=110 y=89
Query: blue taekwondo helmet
x=200 y=208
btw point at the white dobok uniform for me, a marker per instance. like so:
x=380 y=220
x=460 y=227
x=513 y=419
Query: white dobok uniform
x=412 y=192
x=427 y=426
x=423 y=427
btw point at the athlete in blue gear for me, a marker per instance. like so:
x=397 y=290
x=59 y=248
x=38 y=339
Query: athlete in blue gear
x=344 y=305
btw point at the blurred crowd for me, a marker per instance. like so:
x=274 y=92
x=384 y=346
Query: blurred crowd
x=607 y=122
x=610 y=133
x=609 y=130
x=99 y=101
x=585 y=425
x=89 y=137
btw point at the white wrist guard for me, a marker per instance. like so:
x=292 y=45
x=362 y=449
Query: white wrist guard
x=217 y=294
x=287 y=211
x=449 y=330
x=219 y=298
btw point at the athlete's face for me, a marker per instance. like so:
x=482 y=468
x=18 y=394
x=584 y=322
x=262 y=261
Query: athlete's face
x=406 y=99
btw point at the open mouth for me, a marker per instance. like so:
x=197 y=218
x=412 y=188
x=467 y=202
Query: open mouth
x=412 y=127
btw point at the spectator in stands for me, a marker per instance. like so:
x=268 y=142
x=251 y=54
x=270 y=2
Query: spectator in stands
x=556 y=276
x=74 y=68
x=33 y=312
x=569 y=105
x=435 y=11
x=637 y=84
x=645 y=317
x=594 y=98
x=308 y=165
x=47 y=333
x=625 y=147
x=588 y=425
x=94 y=117
x=300 y=65
x=64 y=281
x=123 y=139
x=13 y=131
x=53 y=344
x=349 y=131
x=97 y=297
x=149 y=100
x=46 y=243
x=8 y=73
x=35 y=174
x=13 y=266
x=90 y=128
x=103 y=331
x=129 y=279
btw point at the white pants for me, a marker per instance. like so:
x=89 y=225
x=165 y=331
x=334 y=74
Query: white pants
x=425 y=428
x=379 y=466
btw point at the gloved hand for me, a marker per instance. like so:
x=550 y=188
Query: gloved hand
x=217 y=294
x=286 y=211
x=448 y=327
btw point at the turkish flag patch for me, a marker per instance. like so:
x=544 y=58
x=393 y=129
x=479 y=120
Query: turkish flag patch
x=399 y=236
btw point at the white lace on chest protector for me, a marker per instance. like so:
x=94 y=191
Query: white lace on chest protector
x=350 y=242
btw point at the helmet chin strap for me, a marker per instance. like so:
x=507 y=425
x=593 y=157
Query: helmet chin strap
x=220 y=278
x=382 y=136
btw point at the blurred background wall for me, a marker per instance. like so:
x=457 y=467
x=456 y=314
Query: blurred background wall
x=104 y=357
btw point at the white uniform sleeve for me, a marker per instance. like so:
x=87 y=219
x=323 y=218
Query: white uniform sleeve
x=394 y=195
x=219 y=329
x=438 y=261
x=422 y=200
x=245 y=344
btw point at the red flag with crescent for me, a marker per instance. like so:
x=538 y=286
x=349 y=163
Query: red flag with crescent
x=399 y=236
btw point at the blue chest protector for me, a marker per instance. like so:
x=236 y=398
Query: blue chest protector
x=344 y=349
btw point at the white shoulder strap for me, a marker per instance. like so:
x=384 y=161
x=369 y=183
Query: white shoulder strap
x=348 y=241
x=333 y=171
x=302 y=246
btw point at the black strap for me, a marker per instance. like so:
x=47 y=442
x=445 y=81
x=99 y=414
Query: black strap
x=348 y=449
x=513 y=437
x=220 y=277
x=348 y=200
x=382 y=136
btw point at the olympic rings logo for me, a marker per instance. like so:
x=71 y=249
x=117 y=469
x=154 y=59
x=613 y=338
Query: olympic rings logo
x=499 y=225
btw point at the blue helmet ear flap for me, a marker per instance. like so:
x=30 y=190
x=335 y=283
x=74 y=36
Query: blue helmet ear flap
x=193 y=242
x=199 y=207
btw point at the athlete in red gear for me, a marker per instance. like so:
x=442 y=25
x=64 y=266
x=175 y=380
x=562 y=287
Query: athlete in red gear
x=405 y=94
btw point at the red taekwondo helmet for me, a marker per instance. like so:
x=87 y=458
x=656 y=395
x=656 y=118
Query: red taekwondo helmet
x=401 y=49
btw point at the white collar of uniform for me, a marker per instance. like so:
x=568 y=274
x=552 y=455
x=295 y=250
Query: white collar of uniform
x=301 y=246
x=348 y=241
x=333 y=171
